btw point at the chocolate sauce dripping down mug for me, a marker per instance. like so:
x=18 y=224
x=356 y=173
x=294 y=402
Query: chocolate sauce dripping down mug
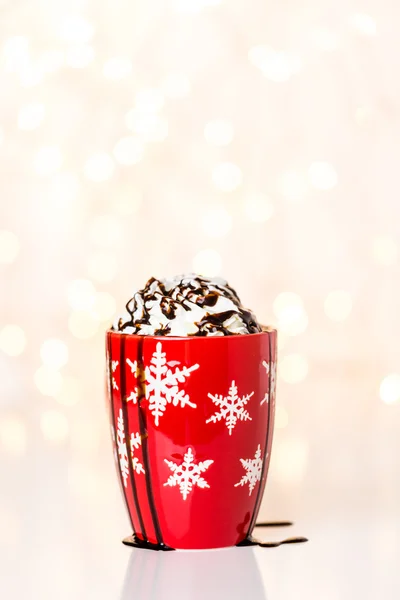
x=192 y=425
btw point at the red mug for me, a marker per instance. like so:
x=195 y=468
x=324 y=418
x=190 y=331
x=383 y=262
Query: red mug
x=192 y=425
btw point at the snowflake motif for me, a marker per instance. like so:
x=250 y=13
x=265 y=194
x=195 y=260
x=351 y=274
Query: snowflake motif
x=136 y=441
x=133 y=366
x=122 y=449
x=270 y=394
x=253 y=468
x=114 y=365
x=273 y=380
x=115 y=453
x=187 y=474
x=231 y=408
x=162 y=384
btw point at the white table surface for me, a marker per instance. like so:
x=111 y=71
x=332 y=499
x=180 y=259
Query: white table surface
x=67 y=556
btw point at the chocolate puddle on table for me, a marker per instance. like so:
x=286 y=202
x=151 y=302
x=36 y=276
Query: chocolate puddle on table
x=251 y=541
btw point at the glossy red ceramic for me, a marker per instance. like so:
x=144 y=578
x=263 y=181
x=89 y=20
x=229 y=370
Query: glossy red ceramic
x=192 y=424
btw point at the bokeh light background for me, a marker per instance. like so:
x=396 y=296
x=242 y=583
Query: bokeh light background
x=255 y=141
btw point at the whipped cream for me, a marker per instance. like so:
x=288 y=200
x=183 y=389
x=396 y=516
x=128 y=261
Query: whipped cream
x=186 y=305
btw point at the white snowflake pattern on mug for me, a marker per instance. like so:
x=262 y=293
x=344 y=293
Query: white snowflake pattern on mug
x=114 y=365
x=136 y=441
x=271 y=393
x=122 y=449
x=162 y=384
x=133 y=367
x=231 y=408
x=253 y=468
x=188 y=473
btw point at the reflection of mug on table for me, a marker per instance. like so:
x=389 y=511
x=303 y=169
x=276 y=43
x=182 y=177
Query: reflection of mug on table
x=229 y=573
x=192 y=421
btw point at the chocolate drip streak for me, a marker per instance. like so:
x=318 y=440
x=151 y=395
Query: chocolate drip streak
x=141 y=394
x=127 y=436
x=113 y=420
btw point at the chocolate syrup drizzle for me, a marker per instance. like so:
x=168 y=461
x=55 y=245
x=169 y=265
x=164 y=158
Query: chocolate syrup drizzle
x=265 y=457
x=141 y=390
x=127 y=436
x=191 y=290
x=113 y=417
x=134 y=540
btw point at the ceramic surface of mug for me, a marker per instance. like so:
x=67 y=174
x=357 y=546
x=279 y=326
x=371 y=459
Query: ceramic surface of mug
x=192 y=425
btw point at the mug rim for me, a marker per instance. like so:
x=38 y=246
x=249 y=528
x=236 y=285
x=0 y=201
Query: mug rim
x=265 y=331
